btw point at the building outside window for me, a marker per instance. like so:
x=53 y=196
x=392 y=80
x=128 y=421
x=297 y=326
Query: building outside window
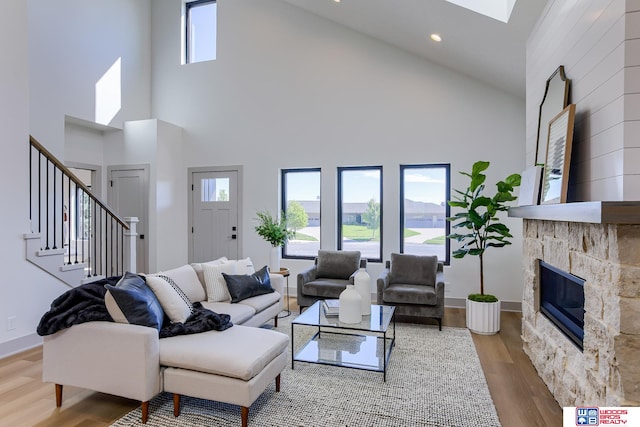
x=360 y=210
x=301 y=203
x=200 y=31
x=424 y=193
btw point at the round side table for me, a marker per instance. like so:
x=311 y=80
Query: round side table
x=285 y=273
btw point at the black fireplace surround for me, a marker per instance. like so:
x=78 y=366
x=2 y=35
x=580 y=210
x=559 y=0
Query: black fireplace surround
x=562 y=301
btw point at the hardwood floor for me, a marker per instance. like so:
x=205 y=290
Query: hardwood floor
x=521 y=398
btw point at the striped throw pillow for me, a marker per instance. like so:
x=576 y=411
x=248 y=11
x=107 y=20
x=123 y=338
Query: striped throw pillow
x=174 y=301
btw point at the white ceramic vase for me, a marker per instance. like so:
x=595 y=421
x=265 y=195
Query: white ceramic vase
x=362 y=283
x=274 y=259
x=483 y=317
x=350 y=306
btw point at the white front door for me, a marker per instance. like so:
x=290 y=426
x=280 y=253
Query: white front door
x=128 y=191
x=214 y=215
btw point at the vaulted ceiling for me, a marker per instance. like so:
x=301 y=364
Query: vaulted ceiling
x=476 y=45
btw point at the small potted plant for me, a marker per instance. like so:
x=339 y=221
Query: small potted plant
x=480 y=228
x=276 y=233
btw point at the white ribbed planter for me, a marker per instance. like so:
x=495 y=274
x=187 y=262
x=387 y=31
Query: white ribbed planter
x=274 y=259
x=483 y=317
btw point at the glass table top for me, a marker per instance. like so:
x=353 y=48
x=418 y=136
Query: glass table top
x=377 y=321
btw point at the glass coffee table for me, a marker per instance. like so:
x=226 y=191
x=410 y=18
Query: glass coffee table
x=366 y=345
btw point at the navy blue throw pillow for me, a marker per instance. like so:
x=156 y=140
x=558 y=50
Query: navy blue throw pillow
x=132 y=301
x=243 y=286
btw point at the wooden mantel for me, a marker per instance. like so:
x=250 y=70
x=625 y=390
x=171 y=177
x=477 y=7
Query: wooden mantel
x=590 y=212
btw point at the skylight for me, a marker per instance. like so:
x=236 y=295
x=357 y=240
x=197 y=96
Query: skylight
x=496 y=9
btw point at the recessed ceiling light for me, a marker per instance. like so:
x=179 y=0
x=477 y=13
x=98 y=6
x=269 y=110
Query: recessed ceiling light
x=436 y=37
x=337 y=1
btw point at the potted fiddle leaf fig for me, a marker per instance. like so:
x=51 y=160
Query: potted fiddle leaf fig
x=480 y=228
x=276 y=233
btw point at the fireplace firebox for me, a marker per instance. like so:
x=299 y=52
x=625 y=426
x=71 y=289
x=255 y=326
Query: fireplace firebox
x=562 y=301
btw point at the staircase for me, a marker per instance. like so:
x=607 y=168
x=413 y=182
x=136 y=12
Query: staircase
x=74 y=236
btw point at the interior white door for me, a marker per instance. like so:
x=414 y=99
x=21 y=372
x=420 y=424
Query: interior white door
x=128 y=196
x=214 y=207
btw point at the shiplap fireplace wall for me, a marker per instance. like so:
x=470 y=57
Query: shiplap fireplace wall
x=598 y=43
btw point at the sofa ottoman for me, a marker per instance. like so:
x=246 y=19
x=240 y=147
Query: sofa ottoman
x=195 y=365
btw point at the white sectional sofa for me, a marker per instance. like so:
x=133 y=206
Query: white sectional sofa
x=255 y=311
x=234 y=365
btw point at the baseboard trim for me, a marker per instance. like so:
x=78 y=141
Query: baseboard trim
x=18 y=345
x=504 y=306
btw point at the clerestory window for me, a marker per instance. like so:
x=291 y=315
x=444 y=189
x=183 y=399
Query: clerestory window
x=200 y=31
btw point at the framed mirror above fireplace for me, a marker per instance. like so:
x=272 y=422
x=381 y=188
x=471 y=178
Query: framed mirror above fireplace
x=554 y=100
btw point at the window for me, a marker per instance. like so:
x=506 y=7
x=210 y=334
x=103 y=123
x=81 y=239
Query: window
x=360 y=210
x=200 y=30
x=301 y=203
x=424 y=193
x=214 y=190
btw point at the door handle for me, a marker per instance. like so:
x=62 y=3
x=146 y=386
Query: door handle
x=142 y=237
x=234 y=236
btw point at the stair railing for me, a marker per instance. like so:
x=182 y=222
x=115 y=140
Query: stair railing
x=71 y=220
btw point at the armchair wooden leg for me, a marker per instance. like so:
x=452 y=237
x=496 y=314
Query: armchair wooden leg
x=245 y=416
x=278 y=383
x=145 y=411
x=439 y=323
x=58 y=395
x=275 y=321
x=176 y=404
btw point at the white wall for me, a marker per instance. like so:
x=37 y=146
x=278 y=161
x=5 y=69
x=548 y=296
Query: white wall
x=72 y=43
x=598 y=42
x=171 y=199
x=158 y=145
x=83 y=145
x=26 y=291
x=290 y=89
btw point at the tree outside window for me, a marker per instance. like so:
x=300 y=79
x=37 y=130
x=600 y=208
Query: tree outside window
x=360 y=210
x=301 y=203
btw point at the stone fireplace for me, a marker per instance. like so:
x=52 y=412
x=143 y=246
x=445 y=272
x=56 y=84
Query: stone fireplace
x=603 y=248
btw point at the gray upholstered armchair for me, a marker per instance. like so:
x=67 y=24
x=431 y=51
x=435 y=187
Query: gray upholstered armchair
x=329 y=276
x=414 y=285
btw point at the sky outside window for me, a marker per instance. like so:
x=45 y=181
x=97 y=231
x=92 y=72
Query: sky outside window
x=202 y=28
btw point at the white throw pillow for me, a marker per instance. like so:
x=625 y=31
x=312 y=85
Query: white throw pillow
x=174 y=302
x=199 y=269
x=216 y=285
x=243 y=266
x=218 y=261
x=187 y=279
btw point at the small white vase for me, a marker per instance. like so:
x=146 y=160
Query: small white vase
x=274 y=259
x=362 y=283
x=350 y=306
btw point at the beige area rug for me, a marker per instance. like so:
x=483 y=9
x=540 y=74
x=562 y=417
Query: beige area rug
x=434 y=379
